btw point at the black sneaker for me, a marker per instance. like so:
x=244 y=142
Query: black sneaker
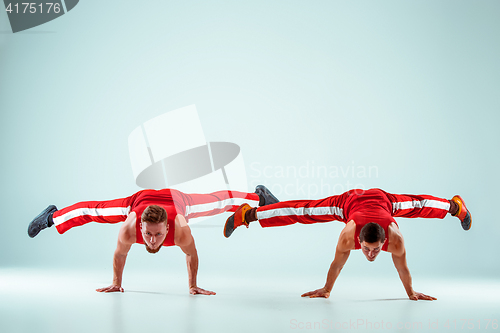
x=265 y=196
x=42 y=221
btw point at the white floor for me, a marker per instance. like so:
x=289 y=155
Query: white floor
x=65 y=301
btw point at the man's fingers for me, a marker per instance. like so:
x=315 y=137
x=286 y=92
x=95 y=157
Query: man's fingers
x=315 y=294
x=102 y=290
x=416 y=297
x=425 y=297
x=110 y=289
x=195 y=291
x=429 y=298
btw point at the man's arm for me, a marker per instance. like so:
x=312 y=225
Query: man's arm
x=338 y=263
x=120 y=256
x=399 y=260
x=186 y=243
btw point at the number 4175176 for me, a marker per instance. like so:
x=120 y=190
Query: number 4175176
x=33 y=8
x=471 y=324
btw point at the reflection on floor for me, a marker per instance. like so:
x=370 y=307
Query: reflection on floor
x=65 y=301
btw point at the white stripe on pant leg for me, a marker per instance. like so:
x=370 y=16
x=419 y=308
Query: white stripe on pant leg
x=201 y=208
x=420 y=204
x=112 y=211
x=301 y=211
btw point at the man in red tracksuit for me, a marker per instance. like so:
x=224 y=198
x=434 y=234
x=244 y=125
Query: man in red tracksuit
x=370 y=225
x=154 y=218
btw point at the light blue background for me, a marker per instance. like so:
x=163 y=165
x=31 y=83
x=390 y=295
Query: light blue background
x=410 y=88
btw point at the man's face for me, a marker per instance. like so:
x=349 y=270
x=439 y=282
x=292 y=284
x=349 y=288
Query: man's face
x=153 y=234
x=371 y=250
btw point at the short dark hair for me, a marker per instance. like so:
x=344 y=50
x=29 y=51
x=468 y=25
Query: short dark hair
x=371 y=233
x=154 y=214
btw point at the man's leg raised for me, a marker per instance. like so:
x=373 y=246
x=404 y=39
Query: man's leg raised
x=427 y=206
x=197 y=205
x=288 y=212
x=110 y=211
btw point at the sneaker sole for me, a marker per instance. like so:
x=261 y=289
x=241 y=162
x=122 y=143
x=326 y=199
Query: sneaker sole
x=266 y=193
x=229 y=226
x=467 y=221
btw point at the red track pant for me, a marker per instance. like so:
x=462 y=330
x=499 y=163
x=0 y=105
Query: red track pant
x=114 y=211
x=333 y=208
